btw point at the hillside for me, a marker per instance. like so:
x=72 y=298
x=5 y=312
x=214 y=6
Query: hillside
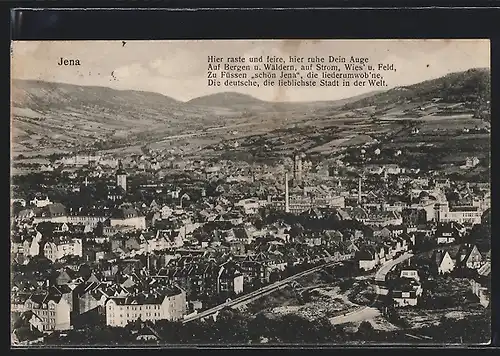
x=54 y=117
x=227 y=100
x=466 y=92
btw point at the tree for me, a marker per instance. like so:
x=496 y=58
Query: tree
x=365 y=329
x=258 y=327
x=99 y=229
x=274 y=276
x=296 y=231
x=85 y=271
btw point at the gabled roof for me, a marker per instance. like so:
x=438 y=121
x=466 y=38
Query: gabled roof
x=485 y=270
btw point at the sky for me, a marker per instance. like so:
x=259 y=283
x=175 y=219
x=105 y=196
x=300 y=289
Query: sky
x=179 y=68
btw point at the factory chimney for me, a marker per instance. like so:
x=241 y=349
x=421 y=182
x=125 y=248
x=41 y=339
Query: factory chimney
x=287 y=195
x=359 y=190
x=297 y=169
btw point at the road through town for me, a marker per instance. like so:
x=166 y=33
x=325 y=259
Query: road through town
x=368 y=312
x=388 y=266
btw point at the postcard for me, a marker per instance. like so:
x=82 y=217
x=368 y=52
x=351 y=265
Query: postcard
x=250 y=192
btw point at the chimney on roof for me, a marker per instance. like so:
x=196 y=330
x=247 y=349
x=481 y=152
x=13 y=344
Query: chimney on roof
x=287 y=195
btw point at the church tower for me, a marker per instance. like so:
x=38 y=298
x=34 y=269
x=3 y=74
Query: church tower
x=121 y=177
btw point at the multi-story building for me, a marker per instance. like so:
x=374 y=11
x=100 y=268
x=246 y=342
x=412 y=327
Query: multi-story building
x=168 y=304
x=128 y=217
x=53 y=309
x=60 y=247
x=462 y=215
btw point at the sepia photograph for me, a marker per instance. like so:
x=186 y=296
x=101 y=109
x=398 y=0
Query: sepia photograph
x=250 y=193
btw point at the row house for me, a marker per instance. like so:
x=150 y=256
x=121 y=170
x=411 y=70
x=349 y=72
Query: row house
x=109 y=231
x=257 y=268
x=374 y=254
x=201 y=277
x=229 y=279
x=343 y=250
x=161 y=240
x=53 y=308
x=384 y=218
x=196 y=278
x=129 y=217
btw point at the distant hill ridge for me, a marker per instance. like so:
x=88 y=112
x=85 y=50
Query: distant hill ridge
x=47 y=114
x=226 y=99
x=471 y=86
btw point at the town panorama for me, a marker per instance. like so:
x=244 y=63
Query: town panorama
x=141 y=220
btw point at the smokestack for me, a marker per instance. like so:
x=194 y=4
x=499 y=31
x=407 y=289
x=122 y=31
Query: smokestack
x=287 y=195
x=297 y=169
x=359 y=190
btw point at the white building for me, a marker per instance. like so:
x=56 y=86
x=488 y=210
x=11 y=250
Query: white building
x=470 y=162
x=55 y=250
x=137 y=222
x=250 y=205
x=410 y=273
x=40 y=203
x=129 y=217
x=169 y=305
x=445 y=263
x=462 y=215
